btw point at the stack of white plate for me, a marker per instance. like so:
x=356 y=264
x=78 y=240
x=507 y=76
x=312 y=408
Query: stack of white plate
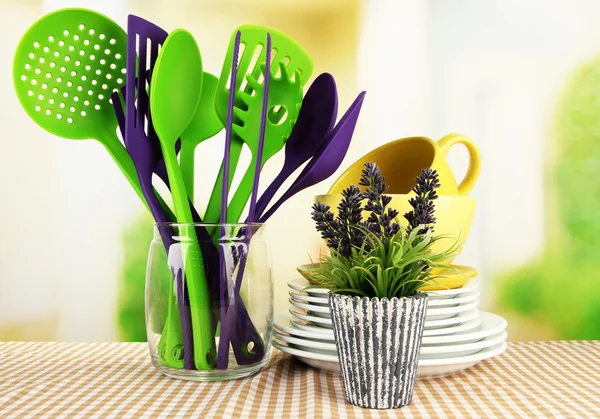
x=456 y=335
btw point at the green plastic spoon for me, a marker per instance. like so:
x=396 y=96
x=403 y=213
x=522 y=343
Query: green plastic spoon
x=284 y=50
x=175 y=92
x=204 y=125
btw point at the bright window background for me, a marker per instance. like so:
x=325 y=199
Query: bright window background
x=491 y=70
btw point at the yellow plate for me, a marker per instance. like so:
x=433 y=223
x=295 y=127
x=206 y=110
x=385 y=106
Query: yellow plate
x=303 y=270
x=450 y=279
x=456 y=277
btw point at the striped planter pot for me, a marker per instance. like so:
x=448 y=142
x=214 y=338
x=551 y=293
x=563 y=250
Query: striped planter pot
x=378 y=344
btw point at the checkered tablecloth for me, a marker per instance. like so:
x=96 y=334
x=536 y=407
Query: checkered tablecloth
x=106 y=380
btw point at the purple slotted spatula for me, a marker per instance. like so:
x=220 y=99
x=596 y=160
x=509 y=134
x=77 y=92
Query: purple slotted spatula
x=329 y=157
x=145 y=153
x=316 y=119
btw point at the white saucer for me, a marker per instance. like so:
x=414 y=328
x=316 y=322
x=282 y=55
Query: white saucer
x=491 y=332
x=468 y=331
x=310 y=307
x=299 y=284
x=429 y=324
x=321 y=321
x=438 y=351
x=447 y=312
x=460 y=299
x=321 y=301
x=307 y=344
x=427 y=368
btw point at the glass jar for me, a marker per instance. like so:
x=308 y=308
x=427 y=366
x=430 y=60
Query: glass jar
x=209 y=300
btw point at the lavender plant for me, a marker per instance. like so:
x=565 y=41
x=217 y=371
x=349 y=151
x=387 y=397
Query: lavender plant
x=378 y=257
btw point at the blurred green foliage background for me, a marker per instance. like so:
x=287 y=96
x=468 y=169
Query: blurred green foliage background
x=558 y=291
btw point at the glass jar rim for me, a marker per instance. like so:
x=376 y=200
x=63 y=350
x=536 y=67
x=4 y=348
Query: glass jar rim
x=226 y=225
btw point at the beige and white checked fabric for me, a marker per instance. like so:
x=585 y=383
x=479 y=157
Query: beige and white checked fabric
x=107 y=380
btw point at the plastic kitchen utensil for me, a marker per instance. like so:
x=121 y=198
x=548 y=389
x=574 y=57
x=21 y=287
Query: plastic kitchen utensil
x=211 y=257
x=228 y=322
x=316 y=119
x=402 y=160
x=327 y=159
x=146 y=38
x=223 y=350
x=283 y=106
x=65 y=68
x=277 y=131
x=175 y=89
x=204 y=124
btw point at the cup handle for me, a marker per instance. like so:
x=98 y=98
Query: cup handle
x=447 y=142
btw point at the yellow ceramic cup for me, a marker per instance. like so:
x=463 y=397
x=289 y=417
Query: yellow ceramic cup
x=454 y=215
x=402 y=160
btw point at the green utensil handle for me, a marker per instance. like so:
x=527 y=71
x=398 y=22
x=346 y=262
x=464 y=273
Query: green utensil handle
x=213 y=211
x=187 y=159
x=171 y=354
x=123 y=159
x=195 y=277
x=242 y=194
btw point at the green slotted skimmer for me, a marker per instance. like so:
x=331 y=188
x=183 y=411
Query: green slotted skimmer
x=65 y=68
x=286 y=52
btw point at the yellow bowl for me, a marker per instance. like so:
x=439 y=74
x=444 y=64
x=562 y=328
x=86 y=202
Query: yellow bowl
x=455 y=277
x=454 y=215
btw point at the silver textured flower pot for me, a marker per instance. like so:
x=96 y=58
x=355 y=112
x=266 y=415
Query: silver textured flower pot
x=378 y=343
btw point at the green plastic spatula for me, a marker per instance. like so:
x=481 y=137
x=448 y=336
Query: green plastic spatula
x=65 y=68
x=285 y=51
x=204 y=124
x=175 y=91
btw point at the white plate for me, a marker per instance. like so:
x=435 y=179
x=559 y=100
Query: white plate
x=299 y=284
x=321 y=321
x=447 y=330
x=452 y=321
x=427 y=368
x=455 y=300
x=322 y=301
x=491 y=333
x=306 y=344
x=470 y=287
x=310 y=307
x=432 y=313
x=429 y=324
x=488 y=324
x=461 y=299
x=471 y=330
x=448 y=312
x=438 y=351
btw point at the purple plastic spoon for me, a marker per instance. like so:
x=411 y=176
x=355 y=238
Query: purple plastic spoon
x=329 y=157
x=316 y=119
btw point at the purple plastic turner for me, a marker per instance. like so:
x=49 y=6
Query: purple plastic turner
x=329 y=157
x=316 y=119
x=145 y=154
